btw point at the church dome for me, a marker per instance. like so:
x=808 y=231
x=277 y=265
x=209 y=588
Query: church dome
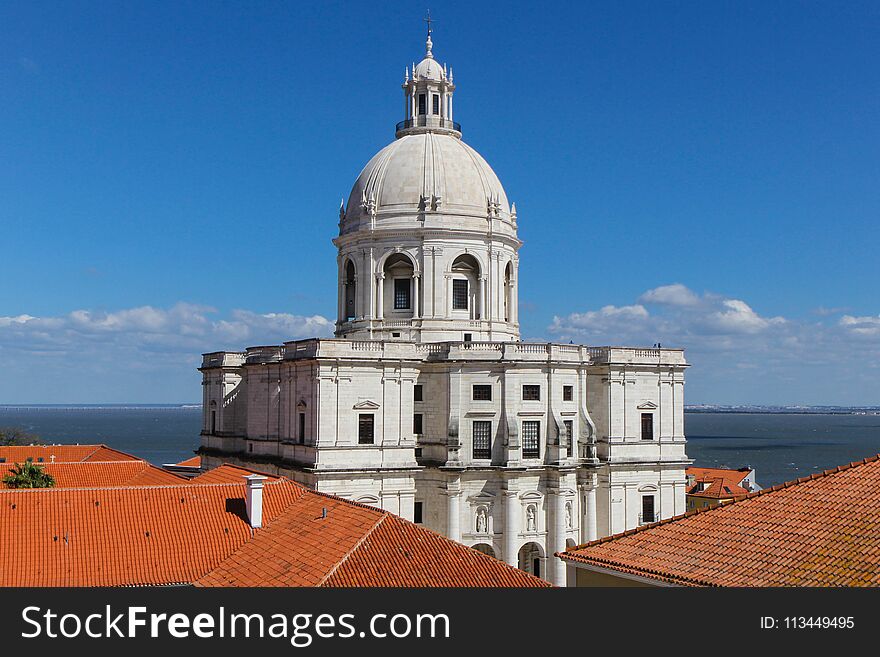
x=429 y=69
x=425 y=171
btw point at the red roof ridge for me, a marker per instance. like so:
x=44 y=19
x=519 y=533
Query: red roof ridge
x=354 y=547
x=184 y=483
x=722 y=505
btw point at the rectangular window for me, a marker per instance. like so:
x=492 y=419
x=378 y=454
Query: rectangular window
x=365 y=429
x=647 y=426
x=417 y=512
x=531 y=393
x=423 y=104
x=567 y=393
x=648 y=508
x=417 y=392
x=482 y=439
x=302 y=428
x=531 y=446
x=213 y=421
x=482 y=393
x=436 y=101
x=459 y=294
x=401 y=293
x=568 y=431
x=417 y=424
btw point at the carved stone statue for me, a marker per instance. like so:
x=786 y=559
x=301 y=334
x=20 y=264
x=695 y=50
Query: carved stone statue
x=568 y=515
x=530 y=518
x=482 y=521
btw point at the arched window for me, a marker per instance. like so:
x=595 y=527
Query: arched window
x=531 y=558
x=398 y=290
x=485 y=548
x=350 y=292
x=465 y=286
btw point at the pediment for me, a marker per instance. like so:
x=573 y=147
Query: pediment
x=366 y=405
x=647 y=406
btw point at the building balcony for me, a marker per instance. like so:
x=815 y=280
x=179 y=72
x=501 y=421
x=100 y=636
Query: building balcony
x=430 y=122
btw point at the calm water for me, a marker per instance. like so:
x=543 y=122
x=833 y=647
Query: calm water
x=779 y=447
x=157 y=434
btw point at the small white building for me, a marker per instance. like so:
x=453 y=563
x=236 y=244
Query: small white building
x=427 y=403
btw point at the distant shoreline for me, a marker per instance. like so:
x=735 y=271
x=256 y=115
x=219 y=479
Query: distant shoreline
x=97 y=407
x=740 y=410
x=784 y=411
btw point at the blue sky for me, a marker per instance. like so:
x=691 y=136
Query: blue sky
x=702 y=174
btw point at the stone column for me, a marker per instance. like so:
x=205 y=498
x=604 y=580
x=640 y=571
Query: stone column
x=512 y=512
x=369 y=288
x=483 y=299
x=342 y=291
x=453 y=510
x=415 y=284
x=556 y=542
x=380 y=296
x=588 y=521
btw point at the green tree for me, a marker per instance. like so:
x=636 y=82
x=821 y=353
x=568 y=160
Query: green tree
x=28 y=475
x=17 y=436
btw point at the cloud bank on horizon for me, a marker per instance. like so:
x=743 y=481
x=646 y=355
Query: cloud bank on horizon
x=151 y=354
x=739 y=355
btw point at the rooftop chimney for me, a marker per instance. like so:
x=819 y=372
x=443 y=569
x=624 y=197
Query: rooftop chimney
x=253 y=499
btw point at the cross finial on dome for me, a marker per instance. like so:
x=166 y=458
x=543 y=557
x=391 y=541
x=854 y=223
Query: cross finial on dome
x=428 y=43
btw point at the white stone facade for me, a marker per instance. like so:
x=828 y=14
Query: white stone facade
x=426 y=403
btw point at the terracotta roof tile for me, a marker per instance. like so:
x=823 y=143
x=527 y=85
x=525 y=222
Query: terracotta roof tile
x=194 y=462
x=125 y=536
x=197 y=532
x=63 y=453
x=822 y=530
x=357 y=545
x=224 y=474
x=717 y=483
x=90 y=474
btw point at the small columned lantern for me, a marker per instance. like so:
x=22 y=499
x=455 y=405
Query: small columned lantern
x=428 y=95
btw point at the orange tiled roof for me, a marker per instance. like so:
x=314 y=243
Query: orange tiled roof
x=125 y=536
x=197 y=532
x=194 y=462
x=398 y=553
x=720 y=483
x=357 y=545
x=225 y=474
x=89 y=474
x=63 y=453
x=816 y=531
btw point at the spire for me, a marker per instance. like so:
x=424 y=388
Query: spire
x=428 y=43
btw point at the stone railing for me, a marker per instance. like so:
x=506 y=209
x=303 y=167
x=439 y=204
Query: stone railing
x=223 y=359
x=263 y=354
x=434 y=351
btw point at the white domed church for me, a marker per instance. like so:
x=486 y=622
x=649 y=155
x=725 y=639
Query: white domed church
x=427 y=403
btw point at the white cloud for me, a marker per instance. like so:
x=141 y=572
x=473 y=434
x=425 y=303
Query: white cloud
x=182 y=328
x=736 y=316
x=861 y=325
x=740 y=355
x=672 y=295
